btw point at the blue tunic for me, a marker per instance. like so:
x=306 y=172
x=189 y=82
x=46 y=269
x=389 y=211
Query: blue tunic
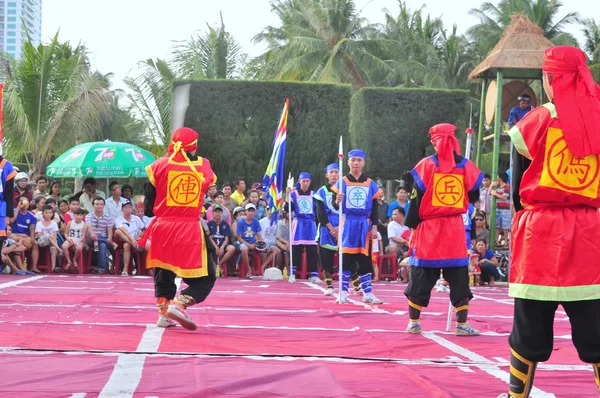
x=7 y=172
x=325 y=239
x=304 y=229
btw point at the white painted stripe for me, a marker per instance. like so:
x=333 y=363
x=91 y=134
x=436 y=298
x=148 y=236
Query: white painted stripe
x=442 y=362
x=501 y=360
x=20 y=281
x=466 y=369
x=70 y=288
x=79 y=395
x=150 y=339
x=489 y=367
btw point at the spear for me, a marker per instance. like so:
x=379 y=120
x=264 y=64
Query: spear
x=340 y=233
x=290 y=184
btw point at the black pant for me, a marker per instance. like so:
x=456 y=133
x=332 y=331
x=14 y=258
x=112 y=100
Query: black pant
x=423 y=279
x=311 y=256
x=357 y=263
x=198 y=288
x=327 y=256
x=533 y=328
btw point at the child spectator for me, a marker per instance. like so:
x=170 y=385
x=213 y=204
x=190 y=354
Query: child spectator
x=282 y=248
x=73 y=207
x=219 y=199
x=76 y=231
x=474 y=270
x=129 y=228
x=249 y=231
x=46 y=235
x=270 y=234
x=254 y=198
x=40 y=202
x=23 y=230
x=487 y=262
x=11 y=255
x=375 y=245
x=238 y=214
x=220 y=234
x=139 y=211
x=55 y=191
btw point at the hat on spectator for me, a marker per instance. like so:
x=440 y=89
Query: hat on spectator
x=127 y=203
x=21 y=176
x=473 y=255
x=256 y=185
x=237 y=210
x=217 y=207
x=250 y=206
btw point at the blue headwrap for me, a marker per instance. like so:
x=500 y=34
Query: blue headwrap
x=357 y=153
x=304 y=175
x=332 y=166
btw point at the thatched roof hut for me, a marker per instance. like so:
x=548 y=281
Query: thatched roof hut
x=519 y=53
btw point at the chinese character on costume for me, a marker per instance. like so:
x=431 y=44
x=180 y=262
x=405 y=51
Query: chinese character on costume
x=444 y=185
x=357 y=194
x=178 y=245
x=556 y=231
x=329 y=221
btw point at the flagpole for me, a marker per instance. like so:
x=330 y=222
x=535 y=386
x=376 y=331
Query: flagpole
x=290 y=184
x=340 y=228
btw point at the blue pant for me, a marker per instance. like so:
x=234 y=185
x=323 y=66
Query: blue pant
x=102 y=253
x=489 y=270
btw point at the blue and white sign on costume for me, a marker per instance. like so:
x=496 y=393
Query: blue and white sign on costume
x=325 y=195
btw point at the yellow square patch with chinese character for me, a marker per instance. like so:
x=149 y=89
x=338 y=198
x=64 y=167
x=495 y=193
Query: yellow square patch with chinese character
x=448 y=190
x=564 y=171
x=183 y=189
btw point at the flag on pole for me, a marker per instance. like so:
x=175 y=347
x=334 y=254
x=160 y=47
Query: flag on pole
x=1 y=122
x=273 y=180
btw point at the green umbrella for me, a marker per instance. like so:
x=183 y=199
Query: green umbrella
x=101 y=159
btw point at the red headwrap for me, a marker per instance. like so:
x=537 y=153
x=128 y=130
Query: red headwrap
x=445 y=143
x=576 y=98
x=184 y=139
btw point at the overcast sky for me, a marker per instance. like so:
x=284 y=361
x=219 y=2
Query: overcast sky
x=119 y=34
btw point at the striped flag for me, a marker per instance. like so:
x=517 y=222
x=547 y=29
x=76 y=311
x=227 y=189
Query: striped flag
x=273 y=180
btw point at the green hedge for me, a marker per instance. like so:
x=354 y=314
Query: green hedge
x=596 y=72
x=237 y=120
x=392 y=124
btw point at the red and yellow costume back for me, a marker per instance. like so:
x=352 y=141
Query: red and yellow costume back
x=176 y=236
x=439 y=239
x=556 y=238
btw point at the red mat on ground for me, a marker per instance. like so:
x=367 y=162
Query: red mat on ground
x=294 y=342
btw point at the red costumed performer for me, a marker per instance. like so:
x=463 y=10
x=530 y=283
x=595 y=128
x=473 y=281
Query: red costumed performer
x=444 y=185
x=177 y=243
x=556 y=232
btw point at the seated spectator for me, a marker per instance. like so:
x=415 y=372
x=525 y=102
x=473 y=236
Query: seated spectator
x=220 y=234
x=129 y=229
x=40 y=202
x=46 y=232
x=89 y=193
x=11 y=254
x=474 y=270
x=55 y=188
x=260 y=205
x=249 y=231
x=238 y=214
x=40 y=187
x=375 y=245
x=127 y=192
x=270 y=235
x=114 y=204
x=282 y=248
x=21 y=188
x=229 y=203
x=73 y=207
x=480 y=230
x=102 y=233
x=398 y=245
x=77 y=229
x=238 y=196
x=487 y=262
x=139 y=211
x=23 y=230
x=219 y=199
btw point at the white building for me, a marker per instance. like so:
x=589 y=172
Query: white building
x=15 y=15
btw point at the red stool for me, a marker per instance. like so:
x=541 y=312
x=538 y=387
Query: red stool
x=135 y=254
x=391 y=271
x=44 y=260
x=85 y=261
x=257 y=270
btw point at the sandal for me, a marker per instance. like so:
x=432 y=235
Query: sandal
x=36 y=271
x=68 y=267
x=56 y=270
x=29 y=273
x=19 y=272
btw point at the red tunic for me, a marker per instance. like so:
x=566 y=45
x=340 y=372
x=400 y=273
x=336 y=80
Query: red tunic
x=555 y=242
x=176 y=235
x=439 y=240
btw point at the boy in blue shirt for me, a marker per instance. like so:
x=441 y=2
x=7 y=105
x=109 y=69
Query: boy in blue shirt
x=249 y=231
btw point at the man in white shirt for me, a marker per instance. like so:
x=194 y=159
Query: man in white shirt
x=129 y=229
x=86 y=200
x=114 y=204
x=398 y=245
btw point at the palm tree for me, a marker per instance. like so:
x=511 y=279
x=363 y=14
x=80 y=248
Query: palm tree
x=150 y=95
x=213 y=54
x=591 y=31
x=322 y=40
x=495 y=18
x=51 y=100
